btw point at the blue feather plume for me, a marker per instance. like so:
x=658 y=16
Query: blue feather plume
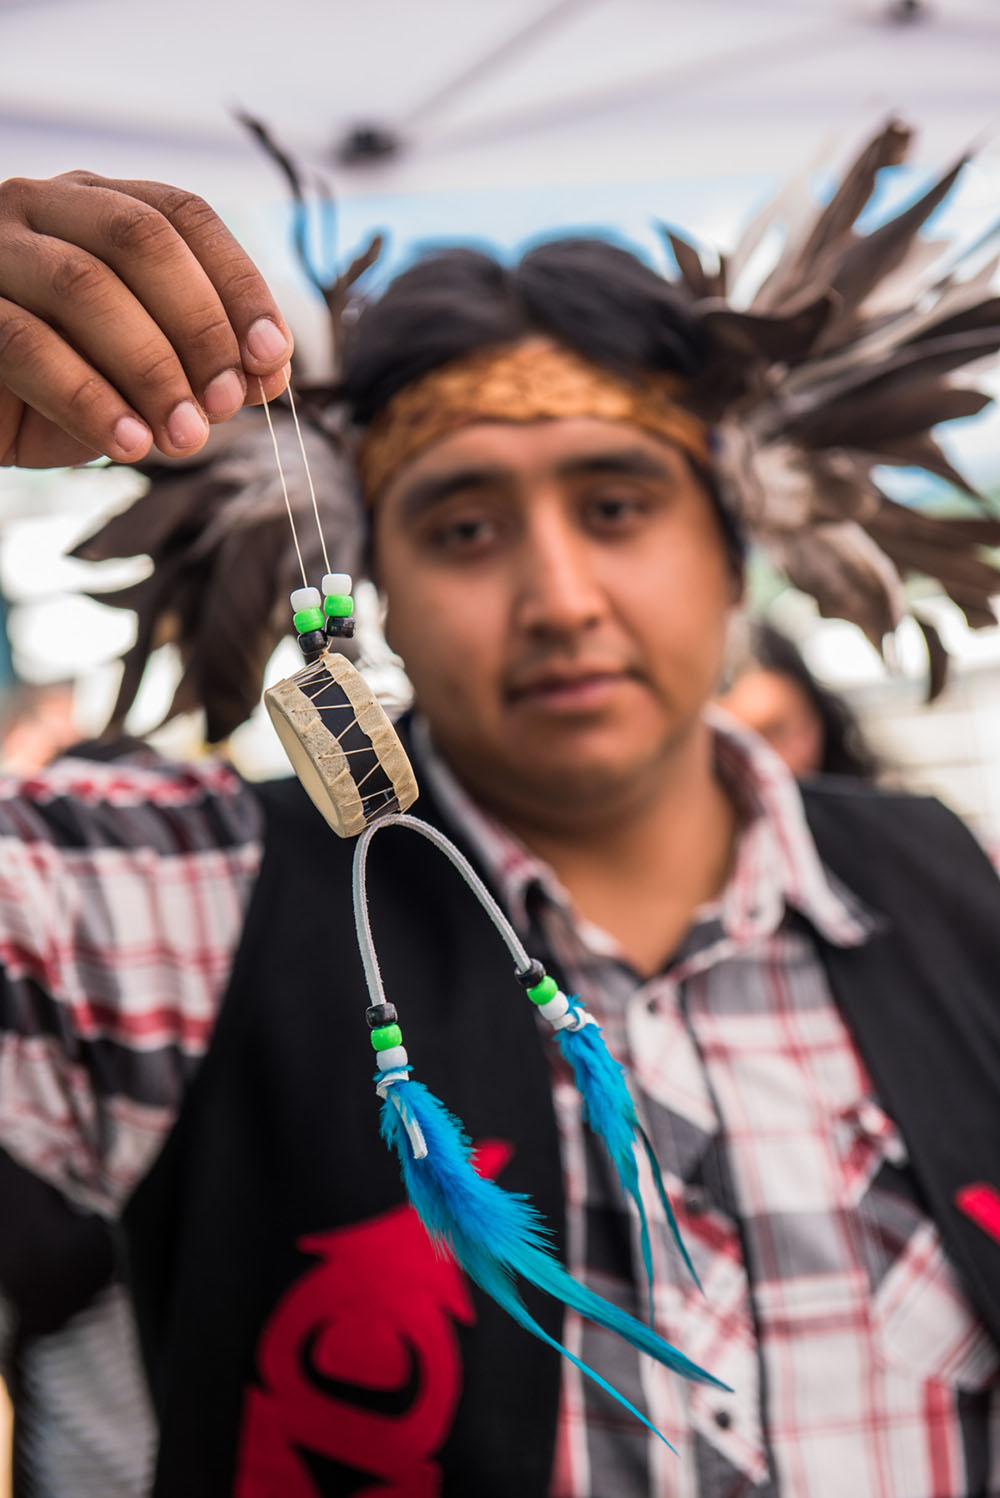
x=610 y=1112
x=498 y=1236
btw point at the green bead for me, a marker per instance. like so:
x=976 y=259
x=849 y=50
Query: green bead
x=544 y=991
x=338 y=605
x=386 y=1036
x=307 y=619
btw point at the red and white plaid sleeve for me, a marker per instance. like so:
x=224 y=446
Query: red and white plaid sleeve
x=122 y=895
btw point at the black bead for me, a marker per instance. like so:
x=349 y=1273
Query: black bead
x=533 y=976
x=381 y=1014
x=312 y=644
x=340 y=629
x=723 y=1419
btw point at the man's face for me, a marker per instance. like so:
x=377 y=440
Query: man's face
x=558 y=592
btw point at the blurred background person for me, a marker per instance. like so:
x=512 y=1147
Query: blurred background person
x=37 y=722
x=79 y=1419
x=815 y=731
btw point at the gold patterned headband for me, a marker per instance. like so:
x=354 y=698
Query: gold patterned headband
x=524 y=382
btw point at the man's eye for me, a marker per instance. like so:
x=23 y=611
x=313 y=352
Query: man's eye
x=463 y=534
x=615 y=509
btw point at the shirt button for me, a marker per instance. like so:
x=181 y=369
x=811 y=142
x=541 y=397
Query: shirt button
x=695 y=1200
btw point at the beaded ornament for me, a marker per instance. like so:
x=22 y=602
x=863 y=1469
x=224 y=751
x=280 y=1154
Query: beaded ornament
x=352 y=765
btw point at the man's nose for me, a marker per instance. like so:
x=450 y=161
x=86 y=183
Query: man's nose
x=559 y=586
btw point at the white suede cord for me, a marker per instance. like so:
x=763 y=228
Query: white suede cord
x=362 y=919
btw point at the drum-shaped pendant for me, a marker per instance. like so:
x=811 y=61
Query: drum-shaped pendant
x=341 y=744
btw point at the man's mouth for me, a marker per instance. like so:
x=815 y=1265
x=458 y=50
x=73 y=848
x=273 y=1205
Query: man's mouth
x=576 y=689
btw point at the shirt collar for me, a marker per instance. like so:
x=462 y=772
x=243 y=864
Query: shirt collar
x=513 y=869
x=776 y=866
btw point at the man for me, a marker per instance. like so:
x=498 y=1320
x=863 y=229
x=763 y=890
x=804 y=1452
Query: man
x=802 y=994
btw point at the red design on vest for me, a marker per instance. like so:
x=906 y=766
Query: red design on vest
x=359 y=1363
x=982 y=1203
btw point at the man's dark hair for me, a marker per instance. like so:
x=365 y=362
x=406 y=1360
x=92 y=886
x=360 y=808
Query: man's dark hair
x=589 y=295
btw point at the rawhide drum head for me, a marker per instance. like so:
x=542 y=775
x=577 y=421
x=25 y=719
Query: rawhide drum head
x=341 y=744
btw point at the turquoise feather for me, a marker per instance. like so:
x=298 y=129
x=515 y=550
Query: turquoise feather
x=610 y=1112
x=498 y=1237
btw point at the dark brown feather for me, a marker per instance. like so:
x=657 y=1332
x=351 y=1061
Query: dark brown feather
x=785 y=337
x=975 y=578
x=887 y=148
x=175 y=509
x=689 y=263
x=186 y=697
x=949 y=532
x=921 y=451
x=235 y=634
x=808 y=390
x=224 y=564
x=148 y=636
x=874 y=415
x=842 y=570
x=807 y=270
x=874 y=256
x=338 y=292
x=937 y=659
x=947 y=551
x=984 y=314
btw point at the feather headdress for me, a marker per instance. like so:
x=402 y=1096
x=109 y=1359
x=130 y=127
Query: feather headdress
x=216 y=529
x=844 y=358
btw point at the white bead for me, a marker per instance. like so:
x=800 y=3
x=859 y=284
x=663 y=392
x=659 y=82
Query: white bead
x=337 y=582
x=555 y=1008
x=305 y=598
x=393 y=1057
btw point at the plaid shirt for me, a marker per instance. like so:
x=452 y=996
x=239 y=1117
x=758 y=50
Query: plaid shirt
x=122 y=893
x=829 y=1307
x=857 y=1363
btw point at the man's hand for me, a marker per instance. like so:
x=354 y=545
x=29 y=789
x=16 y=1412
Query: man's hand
x=129 y=316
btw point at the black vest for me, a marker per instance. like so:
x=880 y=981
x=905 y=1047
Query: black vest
x=300 y=1337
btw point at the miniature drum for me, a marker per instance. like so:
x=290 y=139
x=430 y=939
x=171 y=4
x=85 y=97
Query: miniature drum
x=341 y=744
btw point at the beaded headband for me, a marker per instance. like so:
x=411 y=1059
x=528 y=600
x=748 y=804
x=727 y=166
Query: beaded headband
x=531 y=381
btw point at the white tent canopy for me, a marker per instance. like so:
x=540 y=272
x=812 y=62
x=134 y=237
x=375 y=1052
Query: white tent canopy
x=524 y=92
x=504 y=120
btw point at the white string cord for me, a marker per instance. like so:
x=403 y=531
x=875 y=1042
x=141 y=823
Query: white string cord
x=362 y=918
x=284 y=487
x=309 y=481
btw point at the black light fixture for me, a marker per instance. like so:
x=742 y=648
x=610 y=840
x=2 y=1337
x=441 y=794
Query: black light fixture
x=906 y=12
x=367 y=143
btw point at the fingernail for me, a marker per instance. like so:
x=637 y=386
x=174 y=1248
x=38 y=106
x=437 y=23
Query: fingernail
x=266 y=341
x=264 y=383
x=130 y=433
x=186 y=426
x=224 y=394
